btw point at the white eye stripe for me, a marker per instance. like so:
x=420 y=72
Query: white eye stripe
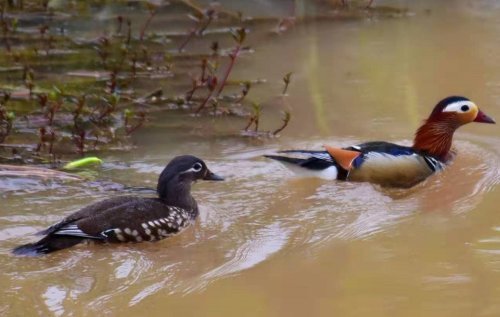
x=196 y=168
x=457 y=106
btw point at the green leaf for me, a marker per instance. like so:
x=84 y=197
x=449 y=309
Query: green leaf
x=11 y=116
x=239 y=35
x=82 y=163
x=128 y=113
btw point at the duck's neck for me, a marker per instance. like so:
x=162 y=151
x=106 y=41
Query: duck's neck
x=178 y=194
x=435 y=138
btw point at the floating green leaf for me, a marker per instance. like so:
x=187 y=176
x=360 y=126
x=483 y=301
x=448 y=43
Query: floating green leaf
x=82 y=163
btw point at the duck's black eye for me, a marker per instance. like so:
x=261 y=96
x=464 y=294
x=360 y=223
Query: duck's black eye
x=197 y=167
x=464 y=108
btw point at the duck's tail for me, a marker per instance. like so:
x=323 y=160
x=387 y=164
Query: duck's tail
x=46 y=245
x=310 y=163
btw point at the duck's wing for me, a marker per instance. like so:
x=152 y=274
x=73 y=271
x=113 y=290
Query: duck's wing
x=391 y=164
x=393 y=153
x=310 y=163
x=315 y=160
x=132 y=219
x=143 y=219
x=93 y=210
x=67 y=232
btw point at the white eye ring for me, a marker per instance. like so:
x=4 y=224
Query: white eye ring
x=197 y=167
x=459 y=106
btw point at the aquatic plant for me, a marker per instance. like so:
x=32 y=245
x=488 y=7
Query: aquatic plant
x=286 y=79
x=28 y=78
x=239 y=36
x=286 y=119
x=6 y=118
x=203 y=20
x=152 y=9
x=130 y=117
x=244 y=92
x=254 y=117
x=70 y=93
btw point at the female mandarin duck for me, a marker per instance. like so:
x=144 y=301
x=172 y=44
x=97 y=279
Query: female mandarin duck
x=128 y=218
x=389 y=164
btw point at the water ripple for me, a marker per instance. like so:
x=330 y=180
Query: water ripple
x=261 y=210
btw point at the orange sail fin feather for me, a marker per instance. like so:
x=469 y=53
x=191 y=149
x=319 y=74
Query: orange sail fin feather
x=343 y=157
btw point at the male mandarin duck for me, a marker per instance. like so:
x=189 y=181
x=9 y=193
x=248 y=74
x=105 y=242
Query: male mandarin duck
x=390 y=164
x=128 y=218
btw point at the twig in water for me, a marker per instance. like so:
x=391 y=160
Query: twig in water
x=79 y=139
x=286 y=80
x=239 y=36
x=286 y=119
x=257 y=108
x=207 y=16
x=6 y=118
x=211 y=84
x=119 y=19
x=152 y=12
x=129 y=128
x=244 y=92
x=250 y=122
x=129 y=32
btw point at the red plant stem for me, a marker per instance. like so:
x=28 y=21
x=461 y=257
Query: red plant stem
x=232 y=56
x=188 y=38
x=134 y=128
x=52 y=113
x=52 y=139
x=203 y=69
x=194 y=31
x=6 y=38
x=285 y=124
x=96 y=140
x=286 y=120
x=120 y=24
x=244 y=93
x=106 y=112
x=204 y=27
x=229 y=68
x=201 y=83
x=249 y=123
x=145 y=26
x=190 y=93
x=129 y=32
x=204 y=103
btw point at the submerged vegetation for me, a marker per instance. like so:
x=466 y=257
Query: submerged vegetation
x=79 y=77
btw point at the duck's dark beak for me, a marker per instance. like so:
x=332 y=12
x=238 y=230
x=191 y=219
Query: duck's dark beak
x=209 y=176
x=483 y=118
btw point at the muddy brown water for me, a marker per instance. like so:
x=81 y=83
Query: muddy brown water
x=270 y=244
